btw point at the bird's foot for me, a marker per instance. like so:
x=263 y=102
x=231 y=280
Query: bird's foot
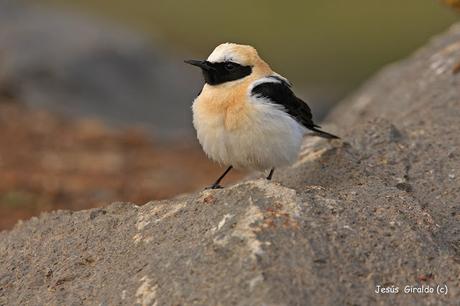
x=270 y=175
x=214 y=186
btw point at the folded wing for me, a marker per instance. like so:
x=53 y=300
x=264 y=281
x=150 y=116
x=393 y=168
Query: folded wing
x=278 y=91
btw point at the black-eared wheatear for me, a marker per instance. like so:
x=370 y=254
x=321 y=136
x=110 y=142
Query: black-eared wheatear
x=246 y=116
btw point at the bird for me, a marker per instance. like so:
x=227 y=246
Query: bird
x=246 y=115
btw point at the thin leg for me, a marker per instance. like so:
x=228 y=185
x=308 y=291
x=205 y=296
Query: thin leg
x=269 y=177
x=216 y=184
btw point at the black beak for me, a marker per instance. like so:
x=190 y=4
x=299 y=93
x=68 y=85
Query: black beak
x=205 y=65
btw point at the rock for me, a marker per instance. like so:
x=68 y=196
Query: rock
x=328 y=231
x=80 y=66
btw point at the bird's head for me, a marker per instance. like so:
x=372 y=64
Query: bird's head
x=229 y=63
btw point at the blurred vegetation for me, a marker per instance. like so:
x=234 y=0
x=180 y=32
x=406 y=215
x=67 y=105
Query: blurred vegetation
x=325 y=44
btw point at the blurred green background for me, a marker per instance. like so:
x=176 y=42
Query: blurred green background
x=326 y=47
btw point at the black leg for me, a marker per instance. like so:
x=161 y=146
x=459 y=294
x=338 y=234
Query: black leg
x=269 y=177
x=216 y=184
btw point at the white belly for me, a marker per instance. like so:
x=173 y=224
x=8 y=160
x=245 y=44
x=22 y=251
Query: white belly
x=266 y=138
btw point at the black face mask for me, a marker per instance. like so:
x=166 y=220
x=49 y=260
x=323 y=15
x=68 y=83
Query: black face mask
x=218 y=73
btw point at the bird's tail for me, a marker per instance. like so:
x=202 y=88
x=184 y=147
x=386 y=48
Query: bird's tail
x=323 y=134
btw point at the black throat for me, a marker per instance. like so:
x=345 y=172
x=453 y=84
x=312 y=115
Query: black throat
x=218 y=73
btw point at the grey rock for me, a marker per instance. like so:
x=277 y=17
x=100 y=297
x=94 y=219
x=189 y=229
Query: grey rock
x=77 y=65
x=326 y=232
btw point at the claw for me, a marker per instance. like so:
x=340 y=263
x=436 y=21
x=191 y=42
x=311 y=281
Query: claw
x=214 y=186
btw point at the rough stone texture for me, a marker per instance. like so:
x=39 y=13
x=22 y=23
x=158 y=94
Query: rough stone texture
x=380 y=208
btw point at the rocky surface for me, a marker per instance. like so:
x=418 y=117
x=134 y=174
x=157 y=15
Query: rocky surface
x=379 y=208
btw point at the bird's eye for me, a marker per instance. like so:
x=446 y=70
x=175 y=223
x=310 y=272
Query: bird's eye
x=229 y=66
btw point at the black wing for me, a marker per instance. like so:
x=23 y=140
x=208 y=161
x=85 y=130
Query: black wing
x=279 y=92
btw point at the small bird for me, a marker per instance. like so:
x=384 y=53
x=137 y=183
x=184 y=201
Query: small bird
x=246 y=116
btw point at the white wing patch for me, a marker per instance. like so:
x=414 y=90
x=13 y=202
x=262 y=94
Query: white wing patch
x=279 y=76
x=275 y=78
